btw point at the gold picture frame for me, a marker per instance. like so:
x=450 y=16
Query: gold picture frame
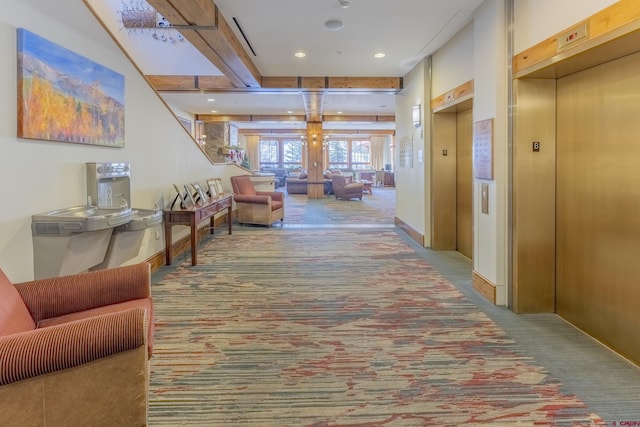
x=215 y=187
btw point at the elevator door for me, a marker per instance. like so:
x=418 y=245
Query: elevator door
x=598 y=202
x=464 y=183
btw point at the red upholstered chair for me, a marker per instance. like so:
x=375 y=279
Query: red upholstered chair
x=256 y=207
x=345 y=191
x=74 y=350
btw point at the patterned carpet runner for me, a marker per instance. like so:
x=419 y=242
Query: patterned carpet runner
x=335 y=327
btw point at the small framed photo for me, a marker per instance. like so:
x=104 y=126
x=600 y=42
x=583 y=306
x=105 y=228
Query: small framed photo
x=202 y=196
x=215 y=187
x=185 y=202
x=189 y=197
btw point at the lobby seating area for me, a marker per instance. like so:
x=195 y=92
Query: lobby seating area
x=297 y=184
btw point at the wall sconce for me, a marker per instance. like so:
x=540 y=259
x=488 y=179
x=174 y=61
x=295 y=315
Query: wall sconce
x=416 y=116
x=303 y=140
x=201 y=139
x=315 y=138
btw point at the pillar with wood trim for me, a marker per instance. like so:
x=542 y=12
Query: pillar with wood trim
x=315 y=186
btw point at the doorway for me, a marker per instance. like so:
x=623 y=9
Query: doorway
x=452 y=179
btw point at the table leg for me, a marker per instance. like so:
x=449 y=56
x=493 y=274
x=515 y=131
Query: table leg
x=167 y=243
x=229 y=218
x=194 y=239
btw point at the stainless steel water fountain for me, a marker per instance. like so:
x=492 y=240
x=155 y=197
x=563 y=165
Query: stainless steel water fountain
x=108 y=184
x=72 y=240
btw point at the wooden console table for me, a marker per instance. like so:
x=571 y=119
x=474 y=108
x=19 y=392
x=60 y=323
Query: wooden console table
x=192 y=217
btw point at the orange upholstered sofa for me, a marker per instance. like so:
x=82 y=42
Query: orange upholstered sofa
x=74 y=350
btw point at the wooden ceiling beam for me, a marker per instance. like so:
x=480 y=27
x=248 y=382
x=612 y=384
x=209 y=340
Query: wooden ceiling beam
x=329 y=132
x=250 y=118
x=206 y=29
x=292 y=118
x=165 y=83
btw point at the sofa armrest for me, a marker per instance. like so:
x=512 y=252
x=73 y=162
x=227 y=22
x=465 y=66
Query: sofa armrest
x=256 y=199
x=56 y=348
x=275 y=195
x=56 y=296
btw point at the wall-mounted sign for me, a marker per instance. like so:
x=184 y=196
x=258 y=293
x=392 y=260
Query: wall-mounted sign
x=483 y=149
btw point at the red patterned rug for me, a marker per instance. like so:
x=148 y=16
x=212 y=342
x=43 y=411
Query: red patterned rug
x=326 y=327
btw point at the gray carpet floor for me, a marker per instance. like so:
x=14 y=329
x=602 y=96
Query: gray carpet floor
x=606 y=382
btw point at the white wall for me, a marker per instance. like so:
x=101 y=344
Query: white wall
x=412 y=186
x=537 y=20
x=39 y=176
x=453 y=62
x=490 y=102
x=479 y=52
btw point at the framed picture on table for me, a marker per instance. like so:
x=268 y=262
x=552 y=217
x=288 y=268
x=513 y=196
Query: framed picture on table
x=188 y=196
x=202 y=195
x=215 y=187
x=185 y=202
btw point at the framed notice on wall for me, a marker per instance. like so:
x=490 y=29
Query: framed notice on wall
x=405 y=154
x=483 y=149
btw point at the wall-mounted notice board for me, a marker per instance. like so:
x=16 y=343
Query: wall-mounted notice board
x=483 y=149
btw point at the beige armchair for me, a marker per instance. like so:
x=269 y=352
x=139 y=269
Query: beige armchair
x=256 y=207
x=74 y=350
x=345 y=191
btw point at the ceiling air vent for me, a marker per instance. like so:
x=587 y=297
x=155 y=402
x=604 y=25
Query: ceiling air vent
x=244 y=36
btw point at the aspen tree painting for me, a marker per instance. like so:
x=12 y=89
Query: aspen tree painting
x=63 y=96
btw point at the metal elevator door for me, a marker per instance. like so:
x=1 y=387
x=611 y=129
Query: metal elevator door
x=598 y=202
x=464 y=183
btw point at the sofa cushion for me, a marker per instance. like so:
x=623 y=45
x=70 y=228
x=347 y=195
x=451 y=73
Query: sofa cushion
x=14 y=315
x=112 y=308
x=303 y=175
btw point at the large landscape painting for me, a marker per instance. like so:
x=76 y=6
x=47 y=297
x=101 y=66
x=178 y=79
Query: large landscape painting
x=63 y=96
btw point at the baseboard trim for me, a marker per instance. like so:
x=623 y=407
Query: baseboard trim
x=411 y=232
x=484 y=286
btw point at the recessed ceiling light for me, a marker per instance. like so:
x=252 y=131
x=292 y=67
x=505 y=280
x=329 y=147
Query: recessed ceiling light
x=300 y=54
x=289 y=112
x=379 y=55
x=339 y=112
x=334 y=24
x=210 y=99
x=214 y=111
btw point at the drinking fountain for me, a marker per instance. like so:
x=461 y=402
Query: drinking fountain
x=72 y=240
x=109 y=185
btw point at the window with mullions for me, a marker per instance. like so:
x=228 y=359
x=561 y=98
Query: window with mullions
x=360 y=155
x=278 y=153
x=292 y=153
x=349 y=154
x=269 y=153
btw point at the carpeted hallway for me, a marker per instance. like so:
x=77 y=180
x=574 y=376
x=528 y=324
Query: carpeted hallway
x=316 y=325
